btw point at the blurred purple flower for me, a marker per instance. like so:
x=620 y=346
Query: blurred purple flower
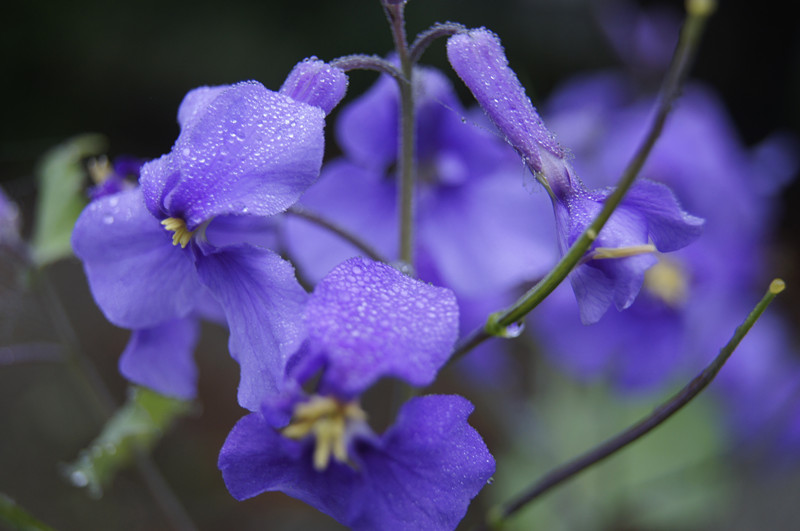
x=694 y=298
x=365 y=321
x=478 y=231
x=153 y=254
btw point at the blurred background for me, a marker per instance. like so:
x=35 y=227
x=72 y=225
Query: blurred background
x=121 y=69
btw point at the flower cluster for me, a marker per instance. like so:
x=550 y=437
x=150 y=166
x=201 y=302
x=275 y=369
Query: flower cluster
x=221 y=228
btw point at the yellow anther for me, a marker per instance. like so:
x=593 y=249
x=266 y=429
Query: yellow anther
x=327 y=420
x=178 y=226
x=99 y=169
x=667 y=281
x=603 y=253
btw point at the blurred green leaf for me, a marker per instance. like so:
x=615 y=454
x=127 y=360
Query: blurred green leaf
x=16 y=517
x=674 y=478
x=135 y=427
x=62 y=183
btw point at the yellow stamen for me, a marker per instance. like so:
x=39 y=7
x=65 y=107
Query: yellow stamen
x=603 y=253
x=667 y=281
x=326 y=419
x=178 y=226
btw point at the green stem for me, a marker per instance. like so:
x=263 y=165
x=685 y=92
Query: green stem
x=698 y=13
x=406 y=147
x=671 y=406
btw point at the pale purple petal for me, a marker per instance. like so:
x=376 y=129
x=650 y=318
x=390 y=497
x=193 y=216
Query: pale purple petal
x=355 y=199
x=161 y=358
x=367 y=320
x=196 y=102
x=314 y=82
x=480 y=61
x=667 y=224
x=138 y=278
x=367 y=128
x=252 y=151
x=263 y=304
x=490 y=235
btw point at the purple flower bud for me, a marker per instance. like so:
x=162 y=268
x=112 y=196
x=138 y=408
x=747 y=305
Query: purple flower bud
x=314 y=82
x=480 y=61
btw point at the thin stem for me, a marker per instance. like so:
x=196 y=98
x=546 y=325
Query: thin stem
x=355 y=241
x=436 y=31
x=104 y=403
x=644 y=426
x=406 y=156
x=698 y=12
x=368 y=62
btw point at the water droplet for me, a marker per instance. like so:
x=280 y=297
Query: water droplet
x=108 y=219
x=513 y=330
x=78 y=478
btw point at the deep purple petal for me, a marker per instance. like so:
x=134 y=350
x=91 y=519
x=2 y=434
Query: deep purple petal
x=480 y=61
x=429 y=465
x=138 y=278
x=252 y=151
x=161 y=358
x=316 y=83
x=368 y=320
x=256 y=458
x=263 y=305
x=421 y=474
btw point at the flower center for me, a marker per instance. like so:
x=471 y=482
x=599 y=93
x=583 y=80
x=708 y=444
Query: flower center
x=668 y=281
x=327 y=420
x=178 y=226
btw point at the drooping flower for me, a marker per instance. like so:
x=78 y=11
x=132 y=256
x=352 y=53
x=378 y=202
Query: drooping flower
x=156 y=253
x=365 y=321
x=648 y=219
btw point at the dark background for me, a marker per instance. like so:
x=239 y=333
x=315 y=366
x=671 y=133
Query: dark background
x=122 y=68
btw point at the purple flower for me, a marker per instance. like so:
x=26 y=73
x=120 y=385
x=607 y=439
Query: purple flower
x=476 y=230
x=154 y=254
x=9 y=220
x=649 y=218
x=110 y=179
x=365 y=320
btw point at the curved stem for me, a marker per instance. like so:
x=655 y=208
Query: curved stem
x=436 y=31
x=698 y=13
x=644 y=426
x=360 y=244
x=368 y=62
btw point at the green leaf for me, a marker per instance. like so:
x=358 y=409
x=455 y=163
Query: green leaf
x=16 y=517
x=135 y=427
x=62 y=197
